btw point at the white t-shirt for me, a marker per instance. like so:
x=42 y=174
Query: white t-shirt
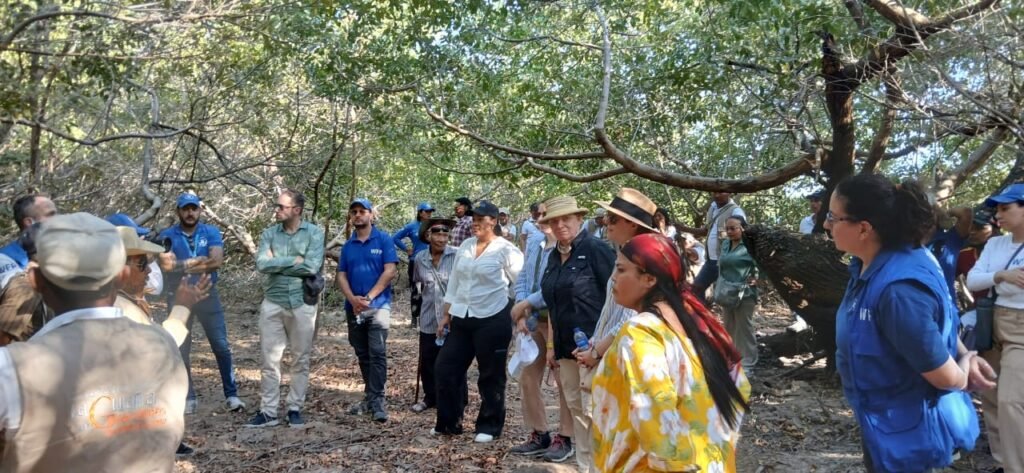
x=993 y=259
x=807 y=225
x=713 y=231
x=8 y=269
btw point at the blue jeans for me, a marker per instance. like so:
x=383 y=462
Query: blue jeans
x=211 y=314
x=705 y=278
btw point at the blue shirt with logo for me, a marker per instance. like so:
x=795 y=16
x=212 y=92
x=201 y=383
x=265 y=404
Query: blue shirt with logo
x=412 y=231
x=16 y=253
x=363 y=263
x=186 y=246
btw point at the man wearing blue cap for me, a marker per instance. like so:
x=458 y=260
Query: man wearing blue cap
x=365 y=271
x=199 y=249
x=412 y=231
x=28 y=209
x=807 y=224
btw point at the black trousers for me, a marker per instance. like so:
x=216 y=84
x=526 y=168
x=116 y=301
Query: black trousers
x=416 y=299
x=428 y=357
x=369 y=340
x=486 y=340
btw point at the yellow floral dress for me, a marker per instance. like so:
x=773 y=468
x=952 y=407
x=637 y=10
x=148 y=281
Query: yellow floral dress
x=652 y=410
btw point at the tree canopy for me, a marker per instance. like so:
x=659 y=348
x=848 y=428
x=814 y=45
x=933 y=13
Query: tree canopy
x=115 y=106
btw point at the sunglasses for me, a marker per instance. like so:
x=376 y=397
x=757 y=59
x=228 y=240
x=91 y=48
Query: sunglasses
x=439 y=230
x=612 y=218
x=141 y=264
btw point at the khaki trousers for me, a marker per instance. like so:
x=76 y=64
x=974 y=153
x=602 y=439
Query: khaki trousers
x=579 y=405
x=739 y=322
x=280 y=327
x=1004 y=405
x=534 y=413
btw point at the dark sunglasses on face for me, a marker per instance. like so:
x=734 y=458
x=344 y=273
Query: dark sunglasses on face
x=612 y=218
x=439 y=230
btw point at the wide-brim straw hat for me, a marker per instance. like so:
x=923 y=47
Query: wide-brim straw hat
x=425 y=226
x=561 y=206
x=632 y=205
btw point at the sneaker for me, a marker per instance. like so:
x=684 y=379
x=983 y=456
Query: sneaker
x=235 y=404
x=190 y=406
x=295 y=420
x=420 y=407
x=434 y=432
x=560 y=449
x=262 y=420
x=184 y=450
x=799 y=326
x=483 y=438
x=537 y=444
x=359 y=408
x=380 y=414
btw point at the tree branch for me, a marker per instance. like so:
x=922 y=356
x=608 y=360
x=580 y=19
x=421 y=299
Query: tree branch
x=606 y=67
x=98 y=141
x=857 y=12
x=946 y=183
x=884 y=132
x=899 y=14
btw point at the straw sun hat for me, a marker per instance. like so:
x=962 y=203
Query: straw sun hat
x=632 y=205
x=559 y=207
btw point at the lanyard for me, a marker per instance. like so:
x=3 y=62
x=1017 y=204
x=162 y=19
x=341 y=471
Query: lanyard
x=192 y=248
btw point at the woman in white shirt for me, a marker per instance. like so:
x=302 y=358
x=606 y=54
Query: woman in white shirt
x=1001 y=266
x=477 y=318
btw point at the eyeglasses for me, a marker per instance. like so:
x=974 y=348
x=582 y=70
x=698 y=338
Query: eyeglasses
x=612 y=218
x=831 y=218
x=444 y=230
x=140 y=263
x=282 y=207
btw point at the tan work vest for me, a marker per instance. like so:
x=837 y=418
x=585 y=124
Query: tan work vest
x=104 y=395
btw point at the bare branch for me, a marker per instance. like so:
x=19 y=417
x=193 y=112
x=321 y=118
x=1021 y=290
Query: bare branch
x=7 y=40
x=884 y=132
x=541 y=38
x=946 y=183
x=501 y=147
x=899 y=14
x=97 y=141
x=857 y=12
x=573 y=177
x=606 y=66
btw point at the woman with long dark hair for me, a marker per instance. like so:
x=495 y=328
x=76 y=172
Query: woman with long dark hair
x=670 y=393
x=903 y=370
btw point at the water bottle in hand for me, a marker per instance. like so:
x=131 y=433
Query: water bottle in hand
x=440 y=340
x=581 y=339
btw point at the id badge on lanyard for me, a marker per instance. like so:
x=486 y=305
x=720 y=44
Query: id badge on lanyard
x=192 y=278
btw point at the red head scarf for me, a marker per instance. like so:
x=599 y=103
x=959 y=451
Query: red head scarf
x=655 y=255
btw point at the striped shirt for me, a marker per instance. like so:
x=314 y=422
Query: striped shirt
x=613 y=316
x=463 y=230
x=528 y=283
x=433 y=289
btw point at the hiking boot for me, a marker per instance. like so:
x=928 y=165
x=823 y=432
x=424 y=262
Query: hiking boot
x=235 y=404
x=360 y=408
x=184 y=450
x=420 y=407
x=262 y=420
x=295 y=420
x=560 y=449
x=536 y=445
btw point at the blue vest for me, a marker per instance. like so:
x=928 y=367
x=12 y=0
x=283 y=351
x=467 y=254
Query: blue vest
x=908 y=425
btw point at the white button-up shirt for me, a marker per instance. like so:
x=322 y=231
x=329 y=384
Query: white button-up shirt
x=10 y=387
x=480 y=287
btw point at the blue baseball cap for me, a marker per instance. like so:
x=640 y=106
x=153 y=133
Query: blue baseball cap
x=188 y=199
x=1012 y=193
x=424 y=206
x=123 y=220
x=363 y=202
x=816 y=196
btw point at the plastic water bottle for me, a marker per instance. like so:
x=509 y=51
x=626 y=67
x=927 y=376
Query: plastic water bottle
x=532 y=321
x=581 y=339
x=440 y=340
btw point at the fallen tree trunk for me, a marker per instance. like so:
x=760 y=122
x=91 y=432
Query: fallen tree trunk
x=810 y=276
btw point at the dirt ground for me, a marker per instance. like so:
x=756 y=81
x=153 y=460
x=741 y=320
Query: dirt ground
x=799 y=421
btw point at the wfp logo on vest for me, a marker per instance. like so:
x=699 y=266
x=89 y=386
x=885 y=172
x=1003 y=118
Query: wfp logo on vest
x=201 y=242
x=376 y=252
x=865 y=315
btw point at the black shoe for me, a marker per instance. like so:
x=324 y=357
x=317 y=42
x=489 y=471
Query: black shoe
x=380 y=414
x=536 y=445
x=359 y=408
x=295 y=420
x=262 y=420
x=184 y=450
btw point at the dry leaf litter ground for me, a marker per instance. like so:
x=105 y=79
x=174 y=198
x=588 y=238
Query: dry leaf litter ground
x=799 y=421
